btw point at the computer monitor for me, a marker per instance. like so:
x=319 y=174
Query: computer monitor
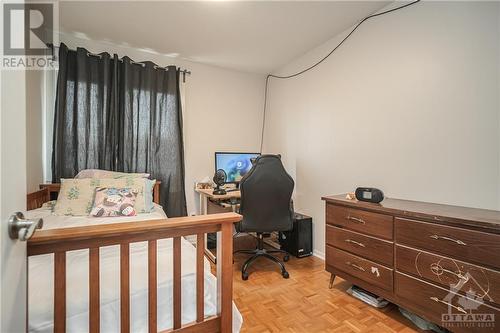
x=236 y=165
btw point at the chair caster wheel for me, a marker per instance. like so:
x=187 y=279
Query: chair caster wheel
x=244 y=276
x=285 y=275
x=286 y=258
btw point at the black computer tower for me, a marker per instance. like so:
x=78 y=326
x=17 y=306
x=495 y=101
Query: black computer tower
x=298 y=241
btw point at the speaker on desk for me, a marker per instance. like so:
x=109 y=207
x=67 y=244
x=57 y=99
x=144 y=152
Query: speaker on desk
x=298 y=241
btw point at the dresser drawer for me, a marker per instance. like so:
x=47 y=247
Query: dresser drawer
x=363 y=269
x=374 y=224
x=368 y=247
x=435 y=303
x=468 y=245
x=446 y=271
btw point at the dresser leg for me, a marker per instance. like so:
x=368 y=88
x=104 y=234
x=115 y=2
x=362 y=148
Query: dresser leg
x=332 y=278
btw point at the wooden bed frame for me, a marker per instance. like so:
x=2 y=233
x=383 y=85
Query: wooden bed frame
x=59 y=241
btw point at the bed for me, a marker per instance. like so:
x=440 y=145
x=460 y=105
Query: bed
x=82 y=257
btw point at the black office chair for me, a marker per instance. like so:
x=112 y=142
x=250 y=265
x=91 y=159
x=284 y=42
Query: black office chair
x=266 y=192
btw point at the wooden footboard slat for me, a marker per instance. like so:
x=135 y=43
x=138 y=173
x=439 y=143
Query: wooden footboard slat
x=124 y=288
x=94 y=302
x=60 y=292
x=152 y=285
x=225 y=277
x=200 y=278
x=177 y=283
x=210 y=325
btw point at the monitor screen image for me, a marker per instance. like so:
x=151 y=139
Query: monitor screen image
x=236 y=165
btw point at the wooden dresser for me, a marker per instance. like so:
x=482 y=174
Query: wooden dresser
x=440 y=262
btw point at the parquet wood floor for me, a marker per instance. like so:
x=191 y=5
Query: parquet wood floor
x=303 y=303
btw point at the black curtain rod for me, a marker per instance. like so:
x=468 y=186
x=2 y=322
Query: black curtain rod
x=183 y=71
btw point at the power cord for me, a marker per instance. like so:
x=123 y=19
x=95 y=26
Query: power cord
x=320 y=61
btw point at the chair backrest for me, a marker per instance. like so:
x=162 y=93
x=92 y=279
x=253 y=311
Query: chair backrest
x=266 y=193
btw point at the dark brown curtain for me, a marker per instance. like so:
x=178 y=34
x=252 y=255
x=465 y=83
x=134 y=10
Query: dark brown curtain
x=118 y=115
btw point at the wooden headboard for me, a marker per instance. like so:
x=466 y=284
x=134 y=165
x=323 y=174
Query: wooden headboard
x=36 y=199
x=54 y=189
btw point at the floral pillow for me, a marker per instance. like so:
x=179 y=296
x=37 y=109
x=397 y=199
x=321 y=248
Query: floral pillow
x=49 y=204
x=76 y=196
x=111 y=201
x=97 y=173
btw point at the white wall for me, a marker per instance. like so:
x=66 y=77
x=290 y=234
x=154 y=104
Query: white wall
x=34 y=129
x=498 y=88
x=409 y=104
x=223 y=109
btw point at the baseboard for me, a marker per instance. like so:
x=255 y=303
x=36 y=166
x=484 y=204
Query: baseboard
x=319 y=254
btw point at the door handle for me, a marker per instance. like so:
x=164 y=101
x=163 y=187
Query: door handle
x=21 y=228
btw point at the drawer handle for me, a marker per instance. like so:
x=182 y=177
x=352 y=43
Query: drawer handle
x=458 y=308
x=356 y=219
x=354 y=242
x=458 y=241
x=355 y=266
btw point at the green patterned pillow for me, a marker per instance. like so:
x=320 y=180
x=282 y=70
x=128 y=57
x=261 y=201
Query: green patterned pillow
x=76 y=196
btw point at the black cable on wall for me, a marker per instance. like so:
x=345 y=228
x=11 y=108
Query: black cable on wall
x=320 y=61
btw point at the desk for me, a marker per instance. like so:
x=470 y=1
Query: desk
x=207 y=194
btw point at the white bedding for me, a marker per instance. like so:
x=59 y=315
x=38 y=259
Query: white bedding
x=41 y=282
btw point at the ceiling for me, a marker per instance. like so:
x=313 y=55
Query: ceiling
x=254 y=37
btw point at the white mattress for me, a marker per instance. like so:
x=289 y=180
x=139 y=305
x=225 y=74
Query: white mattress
x=41 y=282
